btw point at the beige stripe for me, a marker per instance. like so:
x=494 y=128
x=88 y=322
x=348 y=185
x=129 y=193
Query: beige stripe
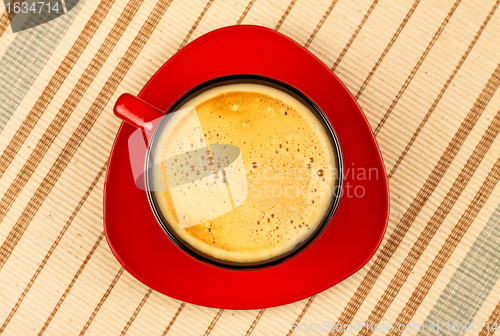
x=455 y=236
x=49 y=253
x=245 y=12
x=387 y=48
x=443 y=90
x=283 y=17
x=132 y=47
x=418 y=203
x=167 y=321
x=213 y=323
x=299 y=318
x=53 y=86
x=4 y=22
x=87 y=123
x=75 y=277
x=54 y=129
x=494 y=317
x=181 y=307
x=247 y=9
x=370 y=75
x=214 y=331
x=144 y=300
x=118 y=74
x=149 y=292
x=193 y=28
x=136 y=312
x=320 y=24
x=433 y=225
x=99 y=305
x=254 y=323
x=103 y=299
x=417 y=66
x=353 y=37
x=197 y=22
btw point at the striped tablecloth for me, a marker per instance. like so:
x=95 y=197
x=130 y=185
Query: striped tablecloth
x=426 y=74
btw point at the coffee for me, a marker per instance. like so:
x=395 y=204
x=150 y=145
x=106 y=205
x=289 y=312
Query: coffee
x=266 y=156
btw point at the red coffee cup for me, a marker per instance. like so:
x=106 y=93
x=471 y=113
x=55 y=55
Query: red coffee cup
x=151 y=121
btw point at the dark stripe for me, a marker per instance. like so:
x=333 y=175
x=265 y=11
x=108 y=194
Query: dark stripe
x=494 y=318
x=4 y=22
x=443 y=90
x=143 y=37
x=107 y=293
x=51 y=250
x=449 y=246
x=25 y=58
x=12 y=14
x=54 y=84
x=302 y=313
x=254 y=323
x=243 y=15
x=213 y=323
x=245 y=12
x=56 y=126
x=433 y=225
x=136 y=312
x=320 y=24
x=196 y=23
x=167 y=329
x=101 y=302
x=417 y=66
x=387 y=48
x=94 y=112
x=313 y=35
x=141 y=304
x=309 y=302
x=418 y=203
x=283 y=17
x=408 y=15
x=384 y=53
x=353 y=37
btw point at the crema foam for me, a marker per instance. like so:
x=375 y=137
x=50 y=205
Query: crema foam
x=283 y=181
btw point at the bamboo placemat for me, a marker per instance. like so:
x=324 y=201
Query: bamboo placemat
x=426 y=74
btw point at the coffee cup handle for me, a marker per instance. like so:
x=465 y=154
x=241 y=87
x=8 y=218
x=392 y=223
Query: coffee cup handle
x=137 y=112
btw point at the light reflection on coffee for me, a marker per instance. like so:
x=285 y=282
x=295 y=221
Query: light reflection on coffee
x=204 y=183
x=288 y=158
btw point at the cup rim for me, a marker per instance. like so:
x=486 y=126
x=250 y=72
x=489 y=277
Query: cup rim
x=287 y=256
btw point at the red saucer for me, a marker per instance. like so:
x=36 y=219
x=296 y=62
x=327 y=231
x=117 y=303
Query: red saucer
x=347 y=243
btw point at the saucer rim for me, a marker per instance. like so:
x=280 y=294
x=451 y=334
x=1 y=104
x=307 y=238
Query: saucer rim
x=277 y=301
